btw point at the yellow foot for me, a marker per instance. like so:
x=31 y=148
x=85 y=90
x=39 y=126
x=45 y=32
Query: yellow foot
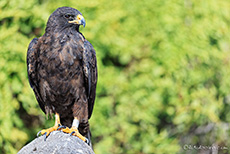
x=74 y=131
x=46 y=132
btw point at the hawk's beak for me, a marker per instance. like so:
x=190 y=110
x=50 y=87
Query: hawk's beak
x=78 y=20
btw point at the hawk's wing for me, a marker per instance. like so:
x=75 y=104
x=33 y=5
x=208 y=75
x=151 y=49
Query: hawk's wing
x=32 y=54
x=90 y=72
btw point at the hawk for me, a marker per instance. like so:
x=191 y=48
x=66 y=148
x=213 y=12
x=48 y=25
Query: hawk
x=62 y=71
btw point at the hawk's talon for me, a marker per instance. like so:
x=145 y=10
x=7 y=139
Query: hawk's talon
x=60 y=127
x=39 y=133
x=45 y=136
x=86 y=141
x=72 y=133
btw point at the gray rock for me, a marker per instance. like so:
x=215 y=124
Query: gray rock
x=57 y=143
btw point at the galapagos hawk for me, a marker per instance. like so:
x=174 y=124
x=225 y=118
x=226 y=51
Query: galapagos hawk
x=62 y=71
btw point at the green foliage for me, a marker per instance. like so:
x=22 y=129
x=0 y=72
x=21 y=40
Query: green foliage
x=163 y=73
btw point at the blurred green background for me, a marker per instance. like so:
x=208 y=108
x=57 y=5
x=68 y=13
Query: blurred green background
x=164 y=69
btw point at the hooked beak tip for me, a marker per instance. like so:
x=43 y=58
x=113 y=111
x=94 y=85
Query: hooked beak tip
x=83 y=23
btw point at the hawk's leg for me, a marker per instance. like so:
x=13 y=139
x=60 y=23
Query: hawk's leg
x=46 y=132
x=74 y=130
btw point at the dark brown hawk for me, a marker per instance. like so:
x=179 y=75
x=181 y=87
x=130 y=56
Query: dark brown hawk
x=62 y=71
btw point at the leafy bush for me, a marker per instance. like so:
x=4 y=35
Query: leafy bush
x=163 y=73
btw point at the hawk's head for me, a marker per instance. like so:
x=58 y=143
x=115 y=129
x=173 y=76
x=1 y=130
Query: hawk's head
x=64 y=17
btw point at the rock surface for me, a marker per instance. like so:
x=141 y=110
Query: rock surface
x=57 y=143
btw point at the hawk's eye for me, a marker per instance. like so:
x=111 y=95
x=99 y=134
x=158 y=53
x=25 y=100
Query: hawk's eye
x=67 y=16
